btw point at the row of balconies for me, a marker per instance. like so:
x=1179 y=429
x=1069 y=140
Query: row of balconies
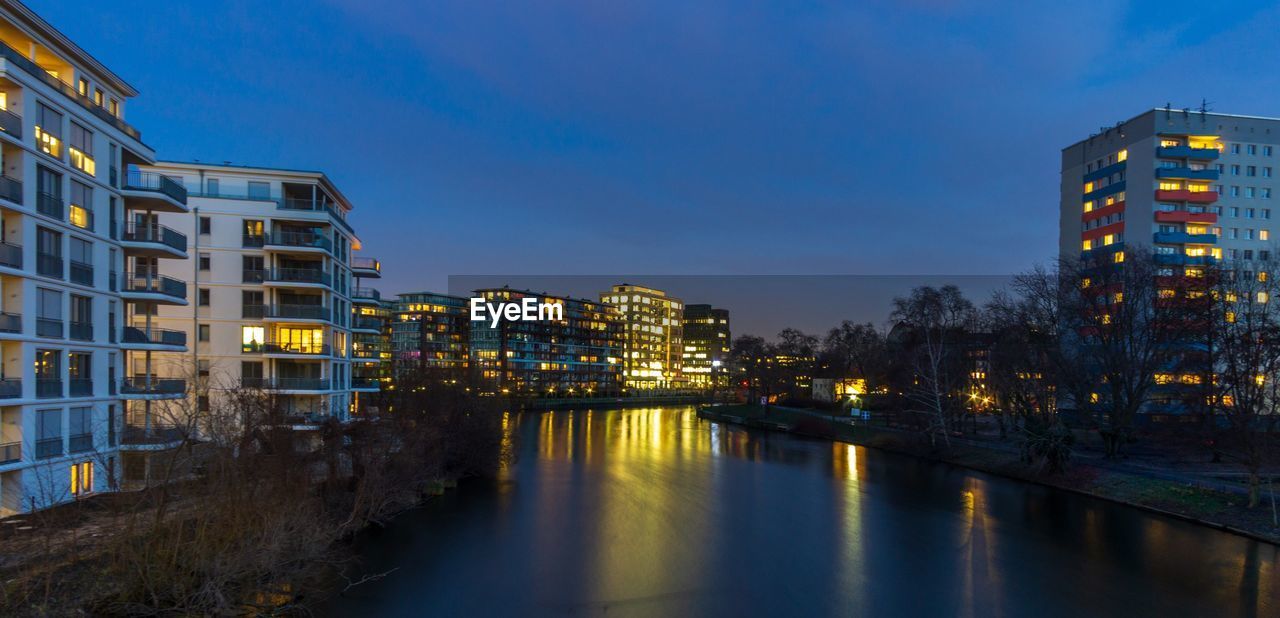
x=47 y=448
x=53 y=388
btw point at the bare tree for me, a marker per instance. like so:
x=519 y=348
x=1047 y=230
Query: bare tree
x=936 y=322
x=855 y=350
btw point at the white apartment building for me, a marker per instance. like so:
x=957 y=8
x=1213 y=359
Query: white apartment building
x=271 y=288
x=73 y=208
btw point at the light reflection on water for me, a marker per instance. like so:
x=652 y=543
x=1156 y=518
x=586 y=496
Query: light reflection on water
x=652 y=511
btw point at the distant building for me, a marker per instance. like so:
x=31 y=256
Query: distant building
x=430 y=336
x=706 y=346
x=578 y=355
x=653 y=326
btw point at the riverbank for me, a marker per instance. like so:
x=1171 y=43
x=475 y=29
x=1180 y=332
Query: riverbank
x=1215 y=505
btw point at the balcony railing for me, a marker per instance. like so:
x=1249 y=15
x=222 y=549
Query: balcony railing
x=80 y=442
x=139 y=385
x=49 y=204
x=357 y=382
x=10 y=255
x=48 y=387
x=367 y=323
x=49 y=265
x=299 y=384
x=296 y=347
x=157 y=434
x=298 y=275
x=135 y=180
x=156 y=284
x=10 y=322
x=156 y=233
x=253 y=276
x=49 y=327
x=10 y=388
x=48 y=447
x=11 y=123
x=11 y=55
x=253 y=241
x=287 y=238
x=155 y=336
x=81 y=387
x=366 y=293
x=305 y=312
x=82 y=331
x=253 y=311
x=366 y=263
x=10 y=452
x=11 y=189
x=81 y=273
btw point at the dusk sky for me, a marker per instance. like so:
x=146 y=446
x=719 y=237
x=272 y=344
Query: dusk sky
x=685 y=138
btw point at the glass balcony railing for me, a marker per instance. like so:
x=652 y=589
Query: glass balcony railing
x=155 y=233
x=49 y=327
x=140 y=434
x=80 y=442
x=11 y=189
x=81 y=273
x=298 y=275
x=139 y=385
x=10 y=255
x=369 y=293
x=81 y=331
x=299 y=384
x=135 y=180
x=10 y=452
x=155 y=284
x=296 y=347
x=154 y=336
x=10 y=388
x=48 y=447
x=49 y=265
x=11 y=123
x=305 y=312
x=48 y=388
x=287 y=238
x=10 y=322
x=50 y=204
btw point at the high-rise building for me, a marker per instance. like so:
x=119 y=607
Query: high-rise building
x=706 y=346
x=67 y=367
x=272 y=292
x=653 y=352
x=575 y=356
x=371 y=338
x=429 y=337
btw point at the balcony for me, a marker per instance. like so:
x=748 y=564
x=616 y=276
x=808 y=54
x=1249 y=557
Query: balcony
x=366 y=267
x=155 y=288
x=366 y=323
x=81 y=387
x=1178 y=259
x=49 y=265
x=10 y=323
x=10 y=388
x=16 y=58
x=1187 y=152
x=140 y=387
x=141 y=338
x=366 y=354
x=1186 y=173
x=48 y=447
x=81 y=273
x=10 y=452
x=296 y=348
x=11 y=189
x=298 y=312
x=152 y=191
x=80 y=331
x=366 y=295
x=303 y=276
x=11 y=123
x=48 y=388
x=155 y=435
x=50 y=205
x=308 y=241
x=80 y=442
x=49 y=327
x=256 y=312
x=1182 y=216
x=154 y=240
x=297 y=384
x=1183 y=238
x=10 y=255
x=1183 y=195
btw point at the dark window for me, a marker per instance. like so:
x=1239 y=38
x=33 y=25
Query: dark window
x=206 y=225
x=204 y=297
x=202 y=332
x=205 y=259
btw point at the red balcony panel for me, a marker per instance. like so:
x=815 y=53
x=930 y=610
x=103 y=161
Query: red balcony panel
x=1183 y=195
x=1099 y=232
x=1098 y=213
x=1182 y=216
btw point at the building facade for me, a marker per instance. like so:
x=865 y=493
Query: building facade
x=371 y=339
x=653 y=353
x=272 y=288
x=706 y=346
x=430 y=337
x=579 y=355
x=73 y=206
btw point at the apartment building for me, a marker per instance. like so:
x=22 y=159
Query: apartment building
x=272 y=288
x=430 y=336
x=707 y=339
x=371 y=338
x=576 y=356
x=76 y=370
x=653 y=325
x=1195 y=187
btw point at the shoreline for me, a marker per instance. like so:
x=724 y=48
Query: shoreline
x=984 y=460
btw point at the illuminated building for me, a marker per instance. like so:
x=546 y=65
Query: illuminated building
x=429 y=337
x=74 y=206
x=653 y=324
x=370 y=338
x=706 y=346
x=272 y=288
x=579 y=355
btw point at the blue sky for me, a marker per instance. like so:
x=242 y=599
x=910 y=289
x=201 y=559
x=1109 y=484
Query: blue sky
x=591 y=137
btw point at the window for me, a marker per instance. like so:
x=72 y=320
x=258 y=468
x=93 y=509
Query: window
x=202 y=332
x=253 y=233
x=1264 y=235
x=251 y=304
x=48 y=192
x=1233 y=233
x=48 y=131
x=252 y=338
x=80 y=212
x=114 y=107
x=80 y=371
x=203 y=296
x=1235 y=170
x=1234 y=211
x=82 y=478
x=83 y=87
x=211 y=186
x=1249 y=192
x=254 y=269
x=1252 y=170
x=81 y=261
x=1266 y=151
x=1266 y=213
x=1266 y=193
x=80 y=149
x=1235 y=191
x=202 y=367
x=48 y=433
x=1266 y=172
x=1248 y=213
x=259 y=190
x=1252 y=149
x=301 y=340
x=97 y=97
x=1235 y=149
x=204 y=261
x=206 y=225
x=48 y=313
x=81 y=317
x=251 y=374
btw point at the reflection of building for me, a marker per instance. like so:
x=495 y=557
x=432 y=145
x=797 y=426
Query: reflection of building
x=272 y=289
x=578 y=355
x=706 y=346
x=429 y=336
x=370 y=338
x=653 y=323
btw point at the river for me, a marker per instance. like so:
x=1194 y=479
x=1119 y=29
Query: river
x=654 y=512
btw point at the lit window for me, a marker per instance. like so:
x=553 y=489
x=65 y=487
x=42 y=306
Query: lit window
x=49 y=131
x=1123 y=155
x=252 y=338
x=82 y=478
x=1264 y=235
x=1118 y=257
x=80 y=149
x=1263 y=297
